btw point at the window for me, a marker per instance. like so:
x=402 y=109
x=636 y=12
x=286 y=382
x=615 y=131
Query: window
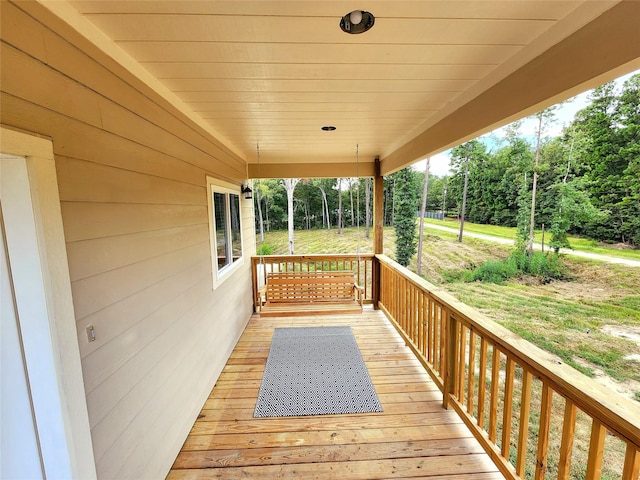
x=225 y=228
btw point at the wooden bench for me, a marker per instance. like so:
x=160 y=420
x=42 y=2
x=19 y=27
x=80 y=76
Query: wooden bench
x=309 y=293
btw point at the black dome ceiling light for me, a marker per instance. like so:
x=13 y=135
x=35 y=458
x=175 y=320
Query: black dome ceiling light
x=358 y=21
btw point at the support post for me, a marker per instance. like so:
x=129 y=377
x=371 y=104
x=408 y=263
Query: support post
x=378 y=224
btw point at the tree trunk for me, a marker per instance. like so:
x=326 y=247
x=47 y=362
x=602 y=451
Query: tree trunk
x=353 y=223
x=367 y=200
x=423 y=207
x=259 y=201
x=266 y=212
x=290 y=186
x=464 y=198
x=535 y=185
x=444 y=202
x=393 y=202
x=307 y=214
x=325 y=208
x=339 y=206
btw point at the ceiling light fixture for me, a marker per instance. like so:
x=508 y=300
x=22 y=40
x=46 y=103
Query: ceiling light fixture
x=328 y=128
x=358 y=21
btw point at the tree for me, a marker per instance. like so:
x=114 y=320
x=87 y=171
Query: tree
x=544 y=117
x=573 y=208
x=464 y=157
x=425 y=191
x=290 y=185
x=405 y=216
x=367 y=196
x=256 y=188
x=464 y=198
x=339 y=206
x=324 y=186
x=351 y=183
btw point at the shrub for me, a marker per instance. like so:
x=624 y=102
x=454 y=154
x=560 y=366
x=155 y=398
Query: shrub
x=545 y=266
x=495 y=271
x=265 y=249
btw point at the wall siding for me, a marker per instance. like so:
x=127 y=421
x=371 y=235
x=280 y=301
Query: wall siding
x=131 y=175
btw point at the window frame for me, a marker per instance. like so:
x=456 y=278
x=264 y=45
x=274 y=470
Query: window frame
x=219 y=275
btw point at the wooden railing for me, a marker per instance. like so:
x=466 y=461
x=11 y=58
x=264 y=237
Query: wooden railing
x=361 y=265
x=534 y=416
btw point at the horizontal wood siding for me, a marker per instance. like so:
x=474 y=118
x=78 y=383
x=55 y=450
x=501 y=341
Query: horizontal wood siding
x=131 y=175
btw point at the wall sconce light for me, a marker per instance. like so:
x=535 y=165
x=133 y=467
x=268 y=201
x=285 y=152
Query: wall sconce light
x=358 y=21
x=246 y=191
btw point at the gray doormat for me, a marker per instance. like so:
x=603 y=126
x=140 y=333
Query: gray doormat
x=315 y=371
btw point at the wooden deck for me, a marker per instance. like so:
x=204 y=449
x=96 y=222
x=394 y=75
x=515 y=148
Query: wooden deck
x=413 y=438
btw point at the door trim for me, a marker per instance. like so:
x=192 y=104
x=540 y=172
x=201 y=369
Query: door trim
x=40 y=271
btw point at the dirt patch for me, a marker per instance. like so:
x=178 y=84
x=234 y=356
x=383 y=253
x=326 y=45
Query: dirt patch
x=618 y=246
x=628 y=332
x=628 y=388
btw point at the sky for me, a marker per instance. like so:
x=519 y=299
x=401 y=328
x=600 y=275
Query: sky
x=564 y=116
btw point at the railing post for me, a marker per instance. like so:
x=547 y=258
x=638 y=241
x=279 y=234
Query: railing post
x=376 y=272
x=254 y=280
x=450 y=357
x=378 y=230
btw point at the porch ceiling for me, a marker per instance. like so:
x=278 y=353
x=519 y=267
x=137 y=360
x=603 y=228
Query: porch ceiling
x=427 y=76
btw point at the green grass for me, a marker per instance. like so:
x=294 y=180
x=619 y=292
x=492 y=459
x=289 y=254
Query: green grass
x=578 y=243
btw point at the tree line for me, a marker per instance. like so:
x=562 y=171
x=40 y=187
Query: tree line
x=587 y=181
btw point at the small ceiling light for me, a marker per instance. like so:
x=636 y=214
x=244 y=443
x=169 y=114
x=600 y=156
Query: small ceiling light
x=328 y=128
x=358 y=21
x=355 y=17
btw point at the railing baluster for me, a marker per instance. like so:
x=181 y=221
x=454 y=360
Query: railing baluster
x=450 y=357
x=430 y=327
x=420 y=320
x=543 y=432
x=631 y=469
x=442 y=314
x=507 y=407
x=462 y=348
x=472 y=372
x=596 y=449
x=495 y=384
x=412 y=313
x=482 y=378
x=566 y=445
x=523 y=433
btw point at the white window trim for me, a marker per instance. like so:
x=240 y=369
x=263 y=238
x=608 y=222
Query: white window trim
x=220 y=186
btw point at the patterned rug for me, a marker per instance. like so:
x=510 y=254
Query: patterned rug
x=315 y=371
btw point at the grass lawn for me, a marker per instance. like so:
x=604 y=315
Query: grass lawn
x=578 y=243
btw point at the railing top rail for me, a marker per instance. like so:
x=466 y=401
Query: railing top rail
x=312 y=257
x=617 y=413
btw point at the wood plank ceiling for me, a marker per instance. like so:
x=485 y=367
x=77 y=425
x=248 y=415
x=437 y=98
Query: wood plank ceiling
x=274 y=72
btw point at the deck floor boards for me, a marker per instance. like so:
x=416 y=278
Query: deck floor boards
x=415 y=437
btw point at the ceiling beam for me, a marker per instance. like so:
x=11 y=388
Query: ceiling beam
x=311 y=170
x=602 y=50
